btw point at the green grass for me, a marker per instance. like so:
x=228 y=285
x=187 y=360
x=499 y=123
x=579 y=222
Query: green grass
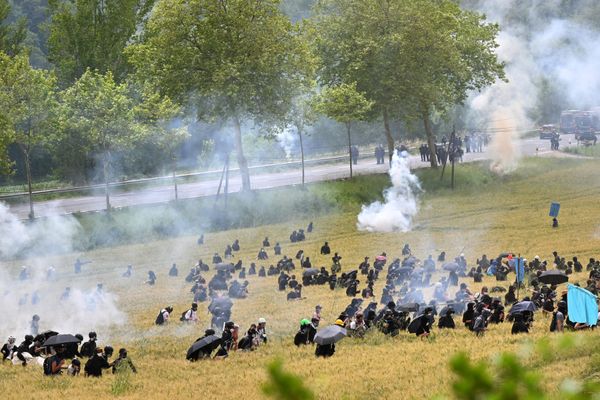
x=485 y=214
x=588 y=151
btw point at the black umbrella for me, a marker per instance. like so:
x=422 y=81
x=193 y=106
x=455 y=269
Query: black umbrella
x=408 y=307
x=330 y=334
x=208 y=343
x=445 y=310
x=220 y=302
x=450 y=266
x=60 y=339
x=553 y=277
x=225 y=267
x=522 y=306
x=415 y=324
x=310 y=272
x=48 y=334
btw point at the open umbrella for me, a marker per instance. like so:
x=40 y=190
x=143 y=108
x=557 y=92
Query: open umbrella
x=450 y=266
x=225 y=267
x=415 y=324
x=206 y=343
x=310 y=272
x=408 y=307
x=522 y=306
x=60 y=339
x=330 y=334
x=49 y=334
x=553 y=277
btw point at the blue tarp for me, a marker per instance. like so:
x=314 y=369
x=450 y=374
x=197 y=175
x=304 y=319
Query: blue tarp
x=582 y=305
x=554 y=209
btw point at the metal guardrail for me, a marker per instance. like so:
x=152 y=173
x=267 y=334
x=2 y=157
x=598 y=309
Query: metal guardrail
x=87 y=188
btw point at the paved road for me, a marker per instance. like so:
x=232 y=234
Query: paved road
x=162 y=194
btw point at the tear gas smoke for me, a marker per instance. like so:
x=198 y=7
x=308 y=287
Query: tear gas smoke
x=84 y=308
x=287 y=141
x=400 y=204
x=548 y=42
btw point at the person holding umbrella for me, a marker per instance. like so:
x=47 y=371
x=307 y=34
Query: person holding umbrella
x=203 y=346
x=53 y=365
x=326 y=339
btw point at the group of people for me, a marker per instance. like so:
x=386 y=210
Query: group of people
x=66 y=357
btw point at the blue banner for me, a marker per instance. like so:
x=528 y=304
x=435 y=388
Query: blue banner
x=554 y=209
x=520 y=269
x=582 y=305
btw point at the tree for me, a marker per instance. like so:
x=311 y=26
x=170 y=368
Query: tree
x=30 y=104
x=163 y=120
x=411 y=58
x=300 y=116
x=242 y=60
x=92 y=34
x=102 y=108
x=346 y=105
x=12 y=36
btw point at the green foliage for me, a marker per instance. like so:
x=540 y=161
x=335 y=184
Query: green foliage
x=343 y=103
x=12 y=35
x=29 y=104
x=92 y=34
x=508 y=378
x=284 y=385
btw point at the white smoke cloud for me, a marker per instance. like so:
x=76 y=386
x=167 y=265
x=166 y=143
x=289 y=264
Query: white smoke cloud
x=535 y=46
x=85 y=309
x=287 y=140
x=400 y=204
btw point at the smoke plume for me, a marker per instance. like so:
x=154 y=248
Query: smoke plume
x=400 y=204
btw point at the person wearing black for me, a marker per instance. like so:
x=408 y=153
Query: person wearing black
x=173 y=271
x=226 y=340
x=71 y=350
x=306 y=263
x=325 y=250
x=277 y=249
x=266 y=243
x=151 y=278
x=325 y=350
x=247 y=343
x=262 y=273
x=332 y=281
x=88 y=349
x=98 y=362
x=236 y=245
x=469 y=316
x=446 y=320
x=364 y=266
x=228 y=252
x=282 y=281
x=510 y=297
x=24 y=348
x=217 y=259
x=426 y=321
x=519 y=325
x=309 y=228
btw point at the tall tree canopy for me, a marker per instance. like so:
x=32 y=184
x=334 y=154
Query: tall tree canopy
x=240 y=59
x=92 y=34
x=411 y=57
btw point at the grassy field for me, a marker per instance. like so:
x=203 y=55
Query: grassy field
x=485 y=215
x=588 y=151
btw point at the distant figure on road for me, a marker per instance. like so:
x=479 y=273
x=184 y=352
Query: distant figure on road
x=354 y=153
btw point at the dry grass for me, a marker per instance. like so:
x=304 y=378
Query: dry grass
x=511 y=216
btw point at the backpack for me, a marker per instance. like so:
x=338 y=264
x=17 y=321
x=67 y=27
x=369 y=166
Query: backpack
x=553 y=323
x=87 y=349
x=183 y=318
x=48 y=364
x=160 y=319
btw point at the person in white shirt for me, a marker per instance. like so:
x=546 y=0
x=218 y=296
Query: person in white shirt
x=191 y=315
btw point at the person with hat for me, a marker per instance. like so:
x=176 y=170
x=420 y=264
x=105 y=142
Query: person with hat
x=301 y=337
x=261 y=328
x=8 y=348
x=327 y=350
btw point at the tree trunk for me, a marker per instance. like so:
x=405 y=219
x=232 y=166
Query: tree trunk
x=242 y=162
x=301 y=153
x=388 y=134
x=349 y=146
x=173 y=168
x=430 y=141
x=106 y=162
x=29 y=183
